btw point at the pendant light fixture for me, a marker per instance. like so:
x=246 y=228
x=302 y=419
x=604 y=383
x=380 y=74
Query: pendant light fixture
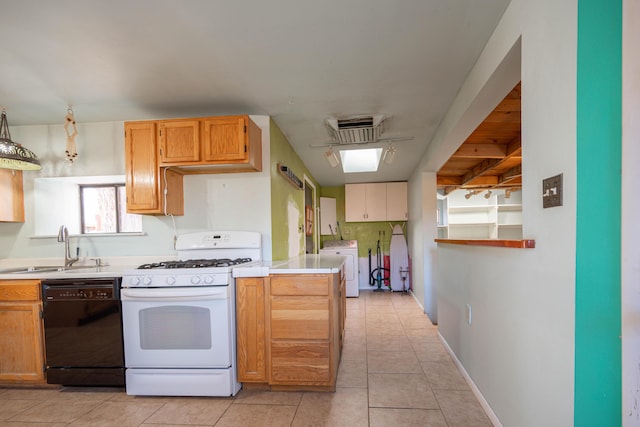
x=12 y=155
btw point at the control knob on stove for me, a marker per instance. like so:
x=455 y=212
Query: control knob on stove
x=147 y=280
x=171 y=280
x=195 y=280
x=208 y=280
x=135 y=280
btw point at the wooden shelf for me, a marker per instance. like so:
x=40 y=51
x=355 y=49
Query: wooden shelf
x=517 y=244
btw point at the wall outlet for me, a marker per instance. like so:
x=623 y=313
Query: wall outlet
x=468 y=314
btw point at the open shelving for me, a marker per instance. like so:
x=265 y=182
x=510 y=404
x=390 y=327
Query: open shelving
x=477 y=217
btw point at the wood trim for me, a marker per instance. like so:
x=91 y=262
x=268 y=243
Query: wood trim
x=516 y=244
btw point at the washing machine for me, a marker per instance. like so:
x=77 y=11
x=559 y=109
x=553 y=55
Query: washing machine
x=349 y=249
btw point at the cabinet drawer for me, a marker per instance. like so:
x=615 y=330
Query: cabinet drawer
x=17 y=290
x=299 y=285
x=300 y=362
x=299 y=317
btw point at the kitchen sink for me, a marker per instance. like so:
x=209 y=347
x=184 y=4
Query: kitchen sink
x=41 y=269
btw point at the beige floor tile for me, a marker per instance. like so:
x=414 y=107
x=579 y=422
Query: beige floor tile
x=240 y=415
x=355 y=335
x=385 y=417
x=346 y=407
x=462 y=409
x=10 y=408
x=38 y=394
x=420 y=332
x=354 y=352
x=260 y=397
x=415 y=322
x=393 y=362
x=117 y=414
x=55 y=411
x=27 y=424
x=192 y=411
x=388 y=343
x=385 y=328
x=352 y=322
x=352 y=373
x=400 y=391
x=444 y=376
x=431 y=352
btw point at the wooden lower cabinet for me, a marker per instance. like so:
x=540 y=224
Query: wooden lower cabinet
x=290 y=330
x=21 y=332
x=250 y=327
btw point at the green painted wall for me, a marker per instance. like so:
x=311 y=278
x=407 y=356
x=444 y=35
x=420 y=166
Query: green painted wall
x=284 y=195
x=366 y=233
x=598 y=383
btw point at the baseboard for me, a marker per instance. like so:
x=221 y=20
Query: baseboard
x=476 y=391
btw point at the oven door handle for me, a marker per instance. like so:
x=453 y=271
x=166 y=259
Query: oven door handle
x=174 y=294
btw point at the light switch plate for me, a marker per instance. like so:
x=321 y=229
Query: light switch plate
x=552 y=191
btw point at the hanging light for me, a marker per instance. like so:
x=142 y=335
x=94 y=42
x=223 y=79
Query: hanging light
x=487 y=194
x=332 y=157
x=12 y=155
x=389 y=154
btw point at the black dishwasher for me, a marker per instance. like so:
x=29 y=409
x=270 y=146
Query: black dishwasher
x=83 y=332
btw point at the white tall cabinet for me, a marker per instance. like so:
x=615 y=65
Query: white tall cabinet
x=380 y=201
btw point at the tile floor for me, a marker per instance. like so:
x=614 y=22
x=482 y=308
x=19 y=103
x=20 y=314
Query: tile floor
x=394 y=372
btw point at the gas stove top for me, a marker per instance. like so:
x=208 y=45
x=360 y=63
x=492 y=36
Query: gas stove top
x=195 y=263
x=205 y=259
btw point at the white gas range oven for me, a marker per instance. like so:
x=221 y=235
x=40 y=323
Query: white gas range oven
x=179 y=317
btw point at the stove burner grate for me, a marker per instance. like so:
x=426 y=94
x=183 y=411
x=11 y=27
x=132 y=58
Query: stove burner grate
x=195 y=263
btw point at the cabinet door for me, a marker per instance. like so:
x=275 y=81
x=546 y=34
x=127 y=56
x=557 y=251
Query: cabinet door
x=355 y=202
x=142 y=182
x=225 y=139
x=21 y=352
x=365 y=202
x=251 y=338
x=397 y=208
x=21 y=343
x=145 y=180
x=12 y=196
x=179 y=142
x=376 y=194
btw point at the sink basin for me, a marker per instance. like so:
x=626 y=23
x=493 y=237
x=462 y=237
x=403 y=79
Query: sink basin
x=40 y=269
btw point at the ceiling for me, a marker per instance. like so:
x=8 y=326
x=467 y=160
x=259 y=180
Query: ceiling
x=491 y=156
x=299 y=61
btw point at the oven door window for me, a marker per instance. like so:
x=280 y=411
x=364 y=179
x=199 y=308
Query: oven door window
x=175 y=327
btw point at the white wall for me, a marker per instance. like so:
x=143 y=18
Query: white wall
x=421 y=228
x=630 y=207
x=238 y=201
x=519 y=348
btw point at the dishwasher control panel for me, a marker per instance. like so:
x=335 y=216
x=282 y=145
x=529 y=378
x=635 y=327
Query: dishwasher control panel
x=78 y=293
x=87 y=289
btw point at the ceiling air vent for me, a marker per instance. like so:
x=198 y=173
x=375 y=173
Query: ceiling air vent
x=356 y=130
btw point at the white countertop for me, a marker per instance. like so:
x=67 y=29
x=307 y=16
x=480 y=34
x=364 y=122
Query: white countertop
x=85 y=268
x=303 y=264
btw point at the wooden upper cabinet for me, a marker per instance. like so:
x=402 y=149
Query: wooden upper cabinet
x=225 y=139
x=145 y=180
x=179 y=141
x=12 y=196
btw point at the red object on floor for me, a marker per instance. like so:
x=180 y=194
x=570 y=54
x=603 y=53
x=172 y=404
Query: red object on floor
x=386 y=275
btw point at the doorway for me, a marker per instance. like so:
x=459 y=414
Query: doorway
x=310 y=220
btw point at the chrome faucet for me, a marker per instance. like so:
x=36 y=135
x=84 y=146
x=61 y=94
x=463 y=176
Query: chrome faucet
x=63 y=236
